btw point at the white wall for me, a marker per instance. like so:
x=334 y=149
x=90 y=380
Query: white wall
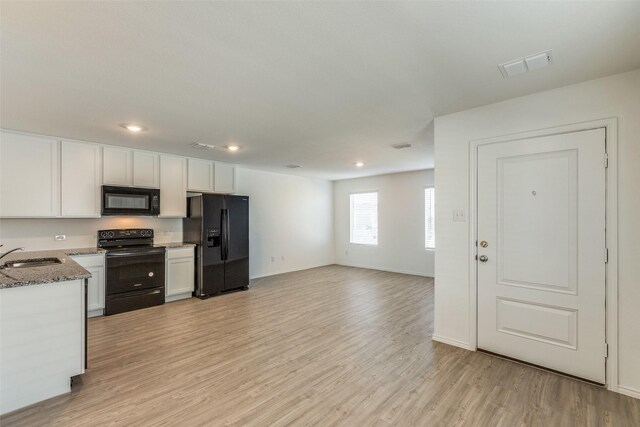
x=400 y=223
x=615 y=96
x=290 y=217
x=291 y=221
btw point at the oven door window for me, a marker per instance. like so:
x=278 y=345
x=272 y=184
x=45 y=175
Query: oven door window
x=127 y=201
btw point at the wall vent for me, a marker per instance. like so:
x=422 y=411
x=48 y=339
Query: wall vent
x=402 y=145
x=524 y=65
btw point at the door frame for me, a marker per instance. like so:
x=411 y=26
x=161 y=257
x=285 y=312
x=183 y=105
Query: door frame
x=611 y=224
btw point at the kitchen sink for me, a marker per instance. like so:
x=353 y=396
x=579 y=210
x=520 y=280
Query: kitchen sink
x=27 y=263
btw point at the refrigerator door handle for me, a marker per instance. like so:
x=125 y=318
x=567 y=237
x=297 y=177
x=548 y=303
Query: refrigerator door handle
x=227 y=235
x=223 y=240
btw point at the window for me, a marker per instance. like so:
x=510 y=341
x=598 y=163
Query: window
x=429 y=219
x=364 y=218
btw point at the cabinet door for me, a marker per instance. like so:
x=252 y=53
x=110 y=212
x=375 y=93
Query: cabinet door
x=173 y=186
x=94 y=264
x=116 y=166
x=200 y=176
x=225 y=178
x=95 y=289
x=80 y=170
x=146 y=169
x=180 y=276
x=29 y=176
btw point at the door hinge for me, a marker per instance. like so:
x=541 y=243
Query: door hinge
x=606 y=349
x=606 y=160
x=606 y=255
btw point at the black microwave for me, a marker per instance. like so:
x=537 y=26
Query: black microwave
x=130 y=201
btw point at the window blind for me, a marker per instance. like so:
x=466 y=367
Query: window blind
x=364 y=218
x=429 y=218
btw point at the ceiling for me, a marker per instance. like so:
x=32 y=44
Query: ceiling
x=322 y=84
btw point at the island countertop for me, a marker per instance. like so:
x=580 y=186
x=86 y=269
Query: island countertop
x=67 y=270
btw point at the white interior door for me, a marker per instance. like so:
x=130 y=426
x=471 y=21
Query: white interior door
x=541 y=249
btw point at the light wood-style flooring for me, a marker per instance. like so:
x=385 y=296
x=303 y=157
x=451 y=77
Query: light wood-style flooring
x=327 y=346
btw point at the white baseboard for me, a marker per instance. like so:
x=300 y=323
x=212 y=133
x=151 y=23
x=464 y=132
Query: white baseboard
x=391 y=270
x=628 y=391
x=452 y=342
x=275 y=273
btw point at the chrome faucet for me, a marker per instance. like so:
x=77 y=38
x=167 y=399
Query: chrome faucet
x=12 y=250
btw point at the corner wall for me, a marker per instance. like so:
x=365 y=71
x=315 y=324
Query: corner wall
x=400 y=223
x=290 y=221
x=614 y=96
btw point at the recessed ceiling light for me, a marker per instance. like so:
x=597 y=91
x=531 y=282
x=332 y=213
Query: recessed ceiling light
x=359 y=164
x=232 y=147
x=133 y=128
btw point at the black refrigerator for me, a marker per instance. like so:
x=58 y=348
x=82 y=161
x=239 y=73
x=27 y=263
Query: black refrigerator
x=219 y=226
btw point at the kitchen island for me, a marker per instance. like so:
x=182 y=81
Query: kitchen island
x=42 y=326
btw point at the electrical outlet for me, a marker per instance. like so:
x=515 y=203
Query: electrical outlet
x=59 y=237
x=459 y=215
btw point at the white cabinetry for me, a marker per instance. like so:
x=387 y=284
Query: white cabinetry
x=126 y=167
x=116 y=165
x=94 y=264
x=200 y=176
x=180 y=273
x=173 y=186
x=146 y=169
x=225 y=178
x=29 y=176
x=81 y=167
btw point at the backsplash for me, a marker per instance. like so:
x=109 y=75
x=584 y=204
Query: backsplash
x=38 y=234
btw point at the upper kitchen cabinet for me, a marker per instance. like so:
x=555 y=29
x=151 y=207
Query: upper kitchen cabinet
x=81 y=168
x=29 y=176
x=126 y=167
x=200 y=175
x=117 y=166
x=173 y=186
x=225 y=178
x=146 y=169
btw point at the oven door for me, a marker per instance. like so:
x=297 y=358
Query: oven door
x=130 y=201
x=134 y=270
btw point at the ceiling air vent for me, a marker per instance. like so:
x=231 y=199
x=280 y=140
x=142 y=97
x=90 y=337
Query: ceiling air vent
x=402 y=145
x=524 y=65
x=202 y=146
x=293 y=166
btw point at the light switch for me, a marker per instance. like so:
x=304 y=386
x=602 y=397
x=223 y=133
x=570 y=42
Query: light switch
x=459 y=215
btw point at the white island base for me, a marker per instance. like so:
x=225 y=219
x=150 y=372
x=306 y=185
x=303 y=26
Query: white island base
x=42 y=341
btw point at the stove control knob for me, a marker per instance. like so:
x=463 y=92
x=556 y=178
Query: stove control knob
x=110 y=234
x=103 y=235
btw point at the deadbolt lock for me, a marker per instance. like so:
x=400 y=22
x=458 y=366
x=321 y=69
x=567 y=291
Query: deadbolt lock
x=483 y=258
x=484 y=244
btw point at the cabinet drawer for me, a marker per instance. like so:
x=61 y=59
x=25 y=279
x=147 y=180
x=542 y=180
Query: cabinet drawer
x=180 y=252
x=87 y=261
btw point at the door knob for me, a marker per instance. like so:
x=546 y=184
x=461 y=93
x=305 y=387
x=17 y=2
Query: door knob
x=483 y=258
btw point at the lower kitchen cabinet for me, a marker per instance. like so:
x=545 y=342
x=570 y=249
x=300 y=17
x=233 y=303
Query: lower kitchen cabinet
x=180 y=274
x=94 y=264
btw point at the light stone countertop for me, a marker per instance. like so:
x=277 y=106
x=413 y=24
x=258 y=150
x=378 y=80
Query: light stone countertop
x=67 y=270
x=175 y=245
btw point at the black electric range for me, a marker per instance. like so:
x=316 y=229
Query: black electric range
x=135 y=269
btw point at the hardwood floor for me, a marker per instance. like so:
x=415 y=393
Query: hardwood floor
x=327 y=346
